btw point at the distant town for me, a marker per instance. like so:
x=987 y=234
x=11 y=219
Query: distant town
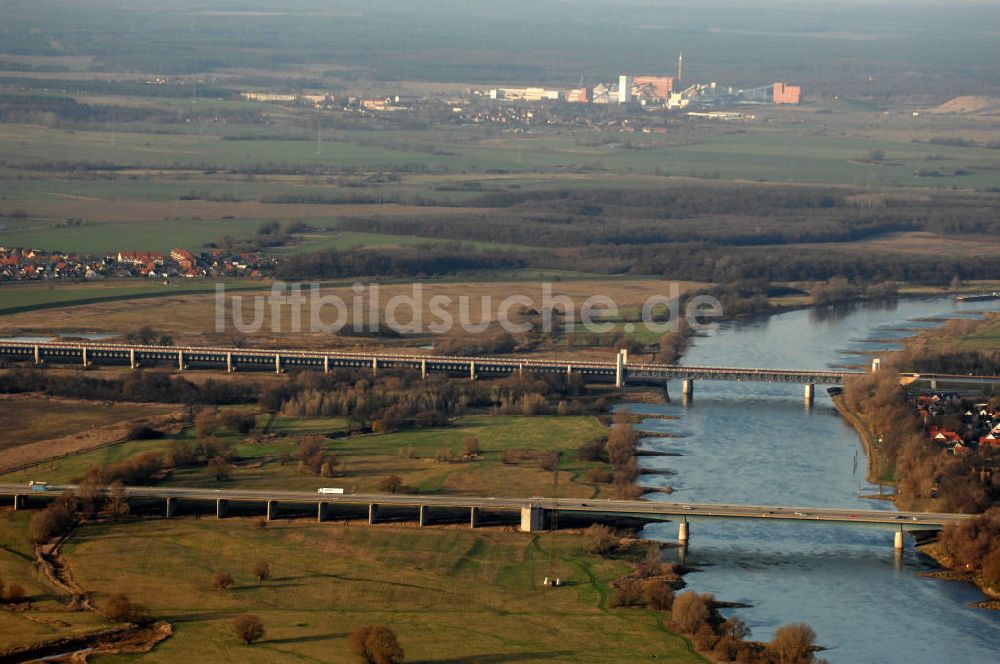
x=18 y=264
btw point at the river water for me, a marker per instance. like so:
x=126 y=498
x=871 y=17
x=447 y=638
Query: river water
x=759 y=444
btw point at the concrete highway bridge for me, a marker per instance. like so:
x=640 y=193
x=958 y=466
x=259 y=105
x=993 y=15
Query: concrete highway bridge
x=535 y=513
x=619 y=371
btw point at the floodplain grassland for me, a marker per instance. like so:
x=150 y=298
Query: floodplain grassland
x=190 y=317
x=28 y=419
x=50 y=617
x=427 y=460
x=447 y=592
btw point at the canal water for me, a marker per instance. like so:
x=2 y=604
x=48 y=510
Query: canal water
x=759 y=444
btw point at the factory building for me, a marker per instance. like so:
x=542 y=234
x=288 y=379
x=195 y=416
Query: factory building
x=624 y=89
x=786 y=94
x=652 y=88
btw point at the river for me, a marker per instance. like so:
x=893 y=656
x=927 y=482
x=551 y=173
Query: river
x=758 y=443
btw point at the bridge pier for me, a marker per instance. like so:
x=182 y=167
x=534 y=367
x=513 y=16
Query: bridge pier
x=38 y=354
x=687 y=388
x=424 y=516
x=683 y=532
x=374 y=365
x=272 y=510
x=876 y=364
x=131 y=358
x=933 y=383
x=229 y=363
x=472 y=370
x=83 y=355
x=569 y=369
x=321 y=511
x=897 y=540
x=180 y=360
x=620 y=370
x=532 y=519
x=474 y=517
x=423 y=368
x=18 y=502
x=277 y=363
x=810 y=393
x=326 y=364
x=221 y=507
x=171 y=507
x=372 y=514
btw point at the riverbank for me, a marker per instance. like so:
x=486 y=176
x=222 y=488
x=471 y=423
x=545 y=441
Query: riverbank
x=868 y=440
x=953 y=572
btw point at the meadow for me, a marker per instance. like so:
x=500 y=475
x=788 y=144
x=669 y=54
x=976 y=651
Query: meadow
x=367 y=460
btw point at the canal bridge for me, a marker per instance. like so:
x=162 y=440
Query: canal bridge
x=619 y=371
x=536 y=513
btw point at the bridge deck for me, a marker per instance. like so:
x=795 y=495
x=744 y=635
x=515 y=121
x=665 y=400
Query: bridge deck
x=640 y=508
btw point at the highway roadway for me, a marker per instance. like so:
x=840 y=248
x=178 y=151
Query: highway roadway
x=638 y=508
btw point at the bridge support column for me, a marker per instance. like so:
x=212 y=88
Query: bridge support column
x=933 y=383
x=683 y=531
x=810 y=393
x=424 y=516
x=620 y=370
x=272 y=510
x=131 y=358
x=897 y=540
x=277 y=363
x=687 y=387
x=38 y=354
x=472 y=370
x=18 y=502
x=372 y=514
x=171 y=507
x=569 y=369
x=321 y=511
x=520 y=370
x=326 y=364
x=876 y=364
x=624 y=353
x=423 y=368
x=221 y=507
x=532 y=519
x=83 y=355
x=474 y=517
x=229 y=363
x=374 y=365
x=180 y=360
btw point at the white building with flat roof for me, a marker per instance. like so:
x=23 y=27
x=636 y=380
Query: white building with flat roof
x=624 y=89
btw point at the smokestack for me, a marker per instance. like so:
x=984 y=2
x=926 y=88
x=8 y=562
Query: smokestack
x=680 y=67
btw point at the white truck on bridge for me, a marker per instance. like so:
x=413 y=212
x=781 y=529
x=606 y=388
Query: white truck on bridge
x=329 y=490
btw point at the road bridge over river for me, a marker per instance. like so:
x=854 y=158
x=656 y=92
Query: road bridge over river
x=535 y=513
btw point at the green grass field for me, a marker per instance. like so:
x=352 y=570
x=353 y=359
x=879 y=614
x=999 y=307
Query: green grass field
x=49 y=617
x=451 y=594
x=367 y=460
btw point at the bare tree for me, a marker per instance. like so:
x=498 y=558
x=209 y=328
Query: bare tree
x=261 y=570
x=794 y=644
x=376 y=644
x=122 y=609
x=689 y=612
x=117 y=501
x=248 y=628
x=223 y=580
